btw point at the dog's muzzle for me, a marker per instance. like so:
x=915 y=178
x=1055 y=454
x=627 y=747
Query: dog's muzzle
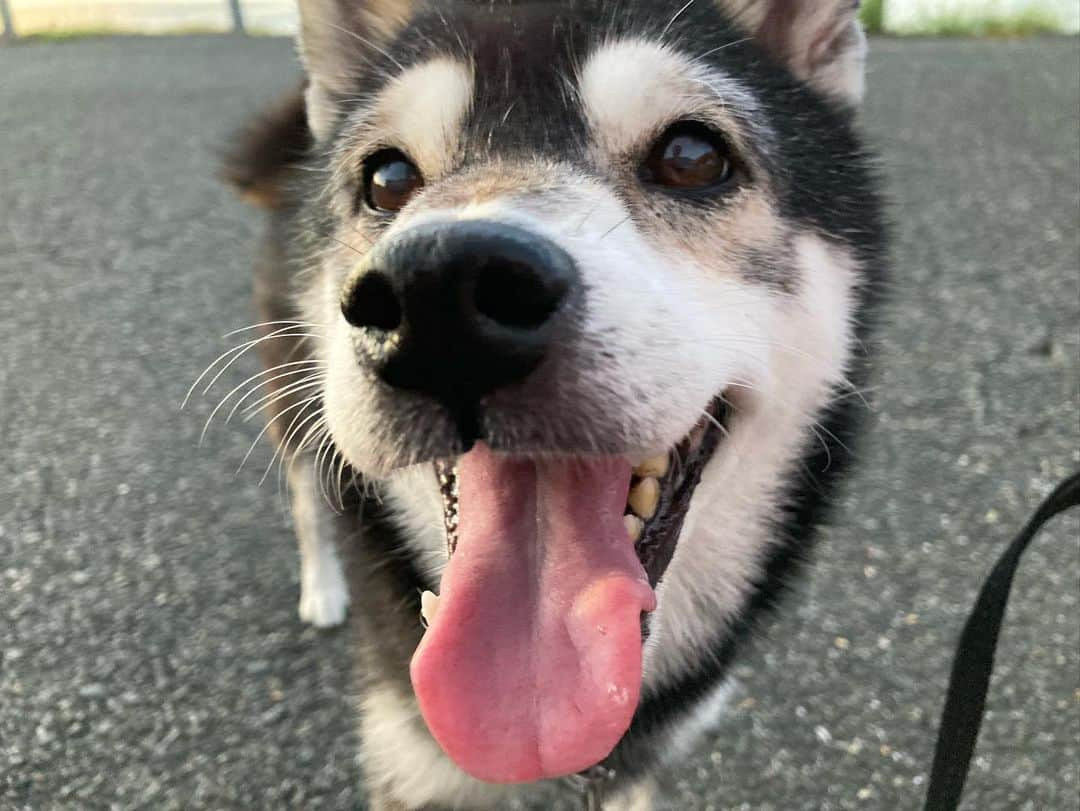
x=457 y=310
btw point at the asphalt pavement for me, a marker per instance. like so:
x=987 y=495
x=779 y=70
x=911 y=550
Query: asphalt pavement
x=150 y=653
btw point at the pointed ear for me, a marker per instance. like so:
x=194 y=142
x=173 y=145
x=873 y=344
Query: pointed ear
x=821 y=41
x=339 y=40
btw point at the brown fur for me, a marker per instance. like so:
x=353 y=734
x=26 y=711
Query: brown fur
x=264 y=153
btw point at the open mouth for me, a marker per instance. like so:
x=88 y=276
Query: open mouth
x=531 y=664
x=658 y=499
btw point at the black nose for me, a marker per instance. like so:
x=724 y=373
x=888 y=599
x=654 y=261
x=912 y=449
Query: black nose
x=457 y=310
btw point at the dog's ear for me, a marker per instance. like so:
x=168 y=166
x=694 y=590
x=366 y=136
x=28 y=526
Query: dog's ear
x=821 y=41
x=339 y=41
x=261 y=157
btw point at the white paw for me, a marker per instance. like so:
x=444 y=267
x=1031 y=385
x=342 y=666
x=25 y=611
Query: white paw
x=324 y=597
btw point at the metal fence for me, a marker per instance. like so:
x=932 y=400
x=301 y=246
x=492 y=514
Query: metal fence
x=5 y=18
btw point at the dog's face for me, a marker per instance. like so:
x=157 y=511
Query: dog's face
x=584 y=277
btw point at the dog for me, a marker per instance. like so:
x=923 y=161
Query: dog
x=567 y=309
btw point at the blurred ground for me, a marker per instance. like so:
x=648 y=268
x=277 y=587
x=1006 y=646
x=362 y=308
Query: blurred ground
x=150 y=654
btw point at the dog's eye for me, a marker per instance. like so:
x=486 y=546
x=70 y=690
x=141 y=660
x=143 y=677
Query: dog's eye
x=390 y=180
x=688 y=156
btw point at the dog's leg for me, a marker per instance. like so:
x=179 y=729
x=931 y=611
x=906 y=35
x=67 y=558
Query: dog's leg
x=324 y=595
x=638 y=797
x=380 y=801
x=260 y=163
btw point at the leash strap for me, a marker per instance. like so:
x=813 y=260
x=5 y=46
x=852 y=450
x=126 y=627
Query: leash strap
x=965 y=700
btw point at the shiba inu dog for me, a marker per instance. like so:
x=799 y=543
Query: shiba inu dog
x=566 y=308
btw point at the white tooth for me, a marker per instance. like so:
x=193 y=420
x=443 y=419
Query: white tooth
x=654 y=466
x=429 y=606
x=645 y=497
x=634 y=526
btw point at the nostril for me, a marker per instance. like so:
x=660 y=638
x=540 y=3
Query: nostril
x=372 y=303
x=514 y=294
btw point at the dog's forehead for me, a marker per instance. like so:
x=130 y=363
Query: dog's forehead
x=533 y=76
x=522 y=62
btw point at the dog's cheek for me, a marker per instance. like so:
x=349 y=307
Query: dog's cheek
x=730 y=527
x=680 y=326
x=342 y=399
x=416 y=505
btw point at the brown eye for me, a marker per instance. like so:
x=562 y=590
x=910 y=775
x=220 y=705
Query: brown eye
x=688 y=156
x=390 y=180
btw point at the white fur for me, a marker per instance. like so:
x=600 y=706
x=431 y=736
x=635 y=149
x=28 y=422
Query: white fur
x=324 y=595
x=417 y=507
x=685 y=737
x=727 y=531
x=639 y=797
x=844 y=77
x=632 y=89
x=421 y=111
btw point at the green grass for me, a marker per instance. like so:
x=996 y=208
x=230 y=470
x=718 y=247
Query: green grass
x=989 y=21
x=67 y=35
x=1021 y=24
x=77 y=34
x=873 y=16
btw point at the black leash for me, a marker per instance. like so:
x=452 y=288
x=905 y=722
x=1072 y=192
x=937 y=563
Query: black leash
x=965 y=700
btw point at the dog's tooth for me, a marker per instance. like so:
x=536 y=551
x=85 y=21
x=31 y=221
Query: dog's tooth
x=644 y=497
x=634 y=527
x=429 y=606
x=656 y=466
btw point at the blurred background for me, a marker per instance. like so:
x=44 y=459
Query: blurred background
x=950 y=17
x=150 y=652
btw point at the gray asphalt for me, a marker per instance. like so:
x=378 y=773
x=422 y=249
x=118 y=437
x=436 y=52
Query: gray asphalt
x=150 y=654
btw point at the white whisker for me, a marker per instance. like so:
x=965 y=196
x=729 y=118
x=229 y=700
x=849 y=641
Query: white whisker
x=320 y=456
x=267 y=400
x=678 y=14
x=282 y=448
x=320 y=423
x=254 y=377
x=237 y=351
x=711 y=51
x=716 y=423
x=247 y=347
x=309 y=437
x=312 y=367
x=262 y=324
x=266 y=428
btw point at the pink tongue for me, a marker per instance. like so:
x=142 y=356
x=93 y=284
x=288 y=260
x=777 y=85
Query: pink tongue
x=532 y=667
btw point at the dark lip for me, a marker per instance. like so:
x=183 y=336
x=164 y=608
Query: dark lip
x=656 y=547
